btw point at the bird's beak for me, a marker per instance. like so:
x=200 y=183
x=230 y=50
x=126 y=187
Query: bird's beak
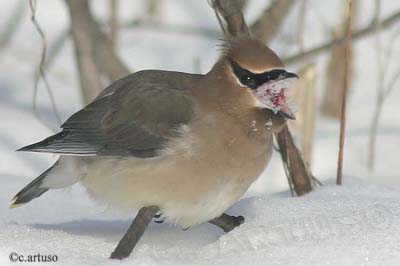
x=272 y=94
x=289 y=75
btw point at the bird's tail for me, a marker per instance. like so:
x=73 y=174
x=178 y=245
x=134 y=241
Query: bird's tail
x=33 y=190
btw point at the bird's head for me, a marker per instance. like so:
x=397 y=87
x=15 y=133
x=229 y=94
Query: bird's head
x=254 y=67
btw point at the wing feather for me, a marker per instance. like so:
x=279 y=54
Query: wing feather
x=136 y=117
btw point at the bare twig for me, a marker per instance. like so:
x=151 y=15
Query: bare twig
x=383 y=88
x=41 y=68
x=345 y=88
x=389 y=57
x=267 y=25
x=54 y=50
x=392 y=83
x=218 y=16
x=295 y=167
x=316 y=182
x=356 y=35
x=231 y=12
x=113 y=22
x=381 y=75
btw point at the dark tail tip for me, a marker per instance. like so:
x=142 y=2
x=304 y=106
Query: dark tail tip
x=26 y=196
x=32 y=190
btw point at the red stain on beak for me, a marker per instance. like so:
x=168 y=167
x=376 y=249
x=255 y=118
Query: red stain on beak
x=278 y=99
x=272 y=96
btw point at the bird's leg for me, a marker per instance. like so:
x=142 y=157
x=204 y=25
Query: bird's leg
x=134 y=233
x=227 y=222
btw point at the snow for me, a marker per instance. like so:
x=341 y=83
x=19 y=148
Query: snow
x=356 y=224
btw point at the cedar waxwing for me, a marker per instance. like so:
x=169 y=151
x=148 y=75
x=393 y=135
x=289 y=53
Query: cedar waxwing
x=189 y=144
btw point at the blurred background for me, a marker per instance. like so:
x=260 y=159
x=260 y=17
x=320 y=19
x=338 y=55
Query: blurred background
x=183 y=36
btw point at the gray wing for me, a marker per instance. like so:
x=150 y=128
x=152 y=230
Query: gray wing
x=135 y=116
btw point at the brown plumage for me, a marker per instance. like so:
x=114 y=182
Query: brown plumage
x=189 y=144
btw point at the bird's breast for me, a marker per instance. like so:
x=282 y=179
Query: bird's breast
x=198 y=176
x=240 y=149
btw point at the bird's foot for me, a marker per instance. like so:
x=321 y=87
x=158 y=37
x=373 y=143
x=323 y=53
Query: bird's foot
x=158 y=218
x=227 y=222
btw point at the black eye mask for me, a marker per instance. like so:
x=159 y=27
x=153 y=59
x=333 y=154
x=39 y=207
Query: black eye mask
x=254 y=80
x=268 y=88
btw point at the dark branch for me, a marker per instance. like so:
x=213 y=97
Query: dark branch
x=231 y=12
x=297 y=169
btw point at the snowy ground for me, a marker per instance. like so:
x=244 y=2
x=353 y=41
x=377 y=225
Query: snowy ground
x=357 y=224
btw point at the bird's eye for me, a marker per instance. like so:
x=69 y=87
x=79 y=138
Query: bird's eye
x=247 y=80
x=245 y=77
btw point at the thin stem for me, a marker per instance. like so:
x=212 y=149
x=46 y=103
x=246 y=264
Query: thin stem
x=41 y=70
x=345 y=88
